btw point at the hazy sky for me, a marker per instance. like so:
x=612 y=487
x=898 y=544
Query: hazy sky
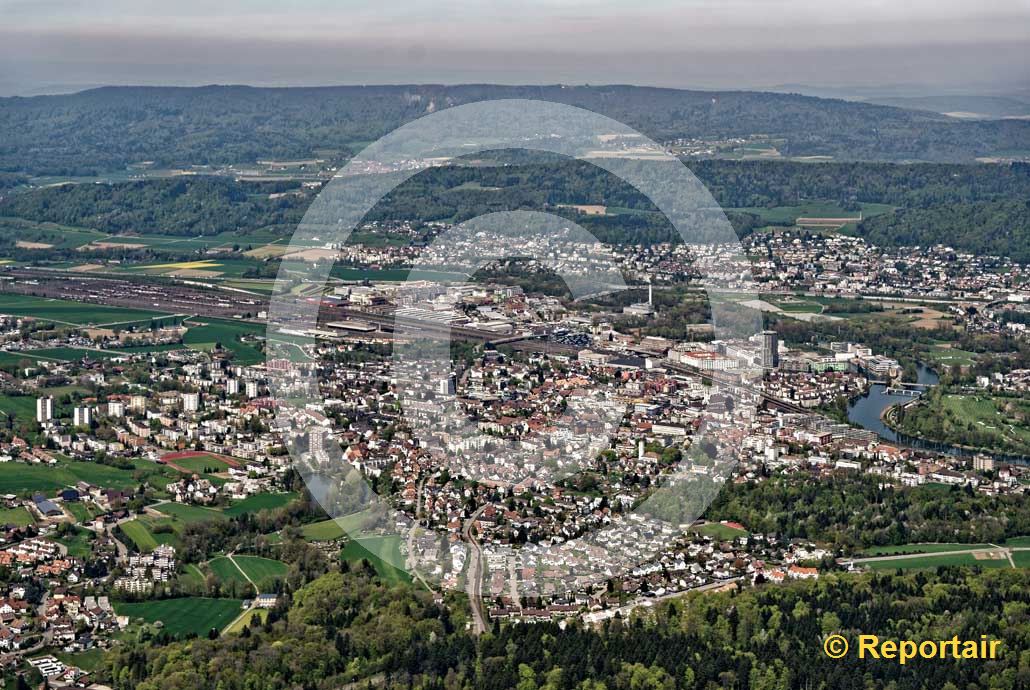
x=944 y=44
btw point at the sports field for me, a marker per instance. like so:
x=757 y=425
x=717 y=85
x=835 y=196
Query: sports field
x=197 y=615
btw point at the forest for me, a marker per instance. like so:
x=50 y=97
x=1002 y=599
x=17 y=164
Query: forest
x=976 y=208
x=348 y=629
x=107 y=129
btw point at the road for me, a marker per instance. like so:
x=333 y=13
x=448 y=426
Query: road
x=474 y=576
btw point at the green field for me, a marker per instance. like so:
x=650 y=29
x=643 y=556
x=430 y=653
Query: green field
x=382 y=552
x=180 y=512
x=326 y=530
x=1018 y=542
x=189 y=615
x=937 y=560
x=69 y=312
x=202 y=464
x=20 y=478
x=920 y=548
x=138 y=533
x=252 y=504
x=247 y=617
x=87 y=660
x=82 y=511
x=261 y=570
x=788 y=215
x=983 y=421
x=79 y=543
x=19 y=516
x=225 y=571
x=794 y=305
x=949 y=356
x=204 y=333
x=1021 y=559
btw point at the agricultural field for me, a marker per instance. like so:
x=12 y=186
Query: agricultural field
x=184 y=616
x=139 y=535
x=920 y=548
x=69 y=312
x=180 y=512
x=261 y=570
x=204 y=333
x=935 y=560
x=19 y=516
x=226 y=571
x=788 y=215
x=21 y=478
x=257 y=502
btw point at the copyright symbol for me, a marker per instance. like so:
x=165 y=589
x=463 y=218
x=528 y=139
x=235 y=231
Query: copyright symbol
x=835 y=646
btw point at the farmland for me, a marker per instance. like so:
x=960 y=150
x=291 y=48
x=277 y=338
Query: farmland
x=180 y=512
x=920 y=548
x=185 y=616
x=935 y=560
x=256 y=502
x=68 y=312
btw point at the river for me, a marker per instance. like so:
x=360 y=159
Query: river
x=866 y=411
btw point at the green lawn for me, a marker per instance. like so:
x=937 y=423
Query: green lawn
x=19 y=516
x=196 y=615
x=192 y=574
x=1018 y=541
x=202 y=464
x=382 y=552
x=87 y=660
x=83 y=512
x=920 y=548
x=247 y=617
x=252 y=504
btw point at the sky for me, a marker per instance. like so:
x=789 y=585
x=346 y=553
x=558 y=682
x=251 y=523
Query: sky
x=909 y=45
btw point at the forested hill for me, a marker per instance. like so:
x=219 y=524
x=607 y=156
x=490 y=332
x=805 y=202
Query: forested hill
x=106 y=129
